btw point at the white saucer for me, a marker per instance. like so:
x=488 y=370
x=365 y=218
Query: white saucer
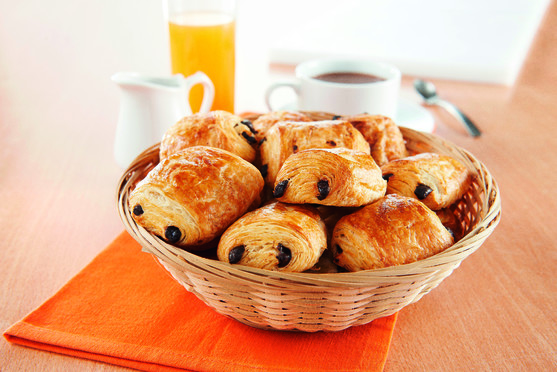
x=414 y=116
x=409 y=114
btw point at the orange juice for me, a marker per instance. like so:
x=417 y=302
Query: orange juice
x=204 y=41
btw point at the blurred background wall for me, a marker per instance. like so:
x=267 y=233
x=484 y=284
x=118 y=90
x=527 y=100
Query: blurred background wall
x=46 y=46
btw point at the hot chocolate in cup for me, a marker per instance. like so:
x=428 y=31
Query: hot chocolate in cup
x=344 y=86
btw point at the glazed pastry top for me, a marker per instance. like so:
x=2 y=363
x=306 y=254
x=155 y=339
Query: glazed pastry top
x=395 y=230
x=286 y=138
x=277 y=236
x=200 y=191
x=437 y=180
x=266 y=121
x=218 y=129
x=335 y=177
x=382 y=134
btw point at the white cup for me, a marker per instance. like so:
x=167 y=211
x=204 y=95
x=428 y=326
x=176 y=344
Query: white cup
x=344 y=98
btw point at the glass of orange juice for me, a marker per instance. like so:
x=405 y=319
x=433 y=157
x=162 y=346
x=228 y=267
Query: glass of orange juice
x=202 y=38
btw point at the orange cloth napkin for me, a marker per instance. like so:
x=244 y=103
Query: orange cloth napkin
x=125 y=309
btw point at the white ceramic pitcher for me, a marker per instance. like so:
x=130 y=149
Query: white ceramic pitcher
x=149 y=106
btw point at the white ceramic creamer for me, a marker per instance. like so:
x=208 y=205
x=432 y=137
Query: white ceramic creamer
x=149 y=106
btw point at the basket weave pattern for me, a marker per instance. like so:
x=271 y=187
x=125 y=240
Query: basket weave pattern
x=314 y=301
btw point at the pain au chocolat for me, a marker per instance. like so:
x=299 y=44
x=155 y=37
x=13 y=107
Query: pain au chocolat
x=278 y=236
x=383 y=135
x=436 y=180
x=218 y=129
x=394 y=230
x=286 y=138
x=193 y=195
x=262 y=124
x=336 y=177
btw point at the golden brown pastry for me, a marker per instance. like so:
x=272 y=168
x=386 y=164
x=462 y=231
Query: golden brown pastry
x=394 y=230
x=266 y=121
x=451 y=223
x=192 y=196
x=286 y=138
x=437 y=180
x=382 y=134
x=277 y=236
x=336 y=177
x=215 y=129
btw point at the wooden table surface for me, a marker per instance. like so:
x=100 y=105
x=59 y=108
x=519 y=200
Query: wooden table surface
x=495 y=312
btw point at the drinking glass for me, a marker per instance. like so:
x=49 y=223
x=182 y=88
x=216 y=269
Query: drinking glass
x=202 y=38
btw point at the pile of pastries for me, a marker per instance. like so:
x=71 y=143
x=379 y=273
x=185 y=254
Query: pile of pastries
x=284 y=192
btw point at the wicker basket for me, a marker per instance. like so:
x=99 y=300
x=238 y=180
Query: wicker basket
x=313 y=301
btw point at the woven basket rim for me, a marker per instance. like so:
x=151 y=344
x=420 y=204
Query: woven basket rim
x=461 y=249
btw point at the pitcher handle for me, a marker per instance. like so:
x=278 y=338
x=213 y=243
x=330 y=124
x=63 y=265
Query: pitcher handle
x=208 y=89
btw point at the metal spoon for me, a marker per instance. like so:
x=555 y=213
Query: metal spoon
x=428 y=91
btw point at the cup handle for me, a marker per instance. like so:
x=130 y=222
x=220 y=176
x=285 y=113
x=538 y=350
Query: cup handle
x=269 y=92
x=208 y=89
